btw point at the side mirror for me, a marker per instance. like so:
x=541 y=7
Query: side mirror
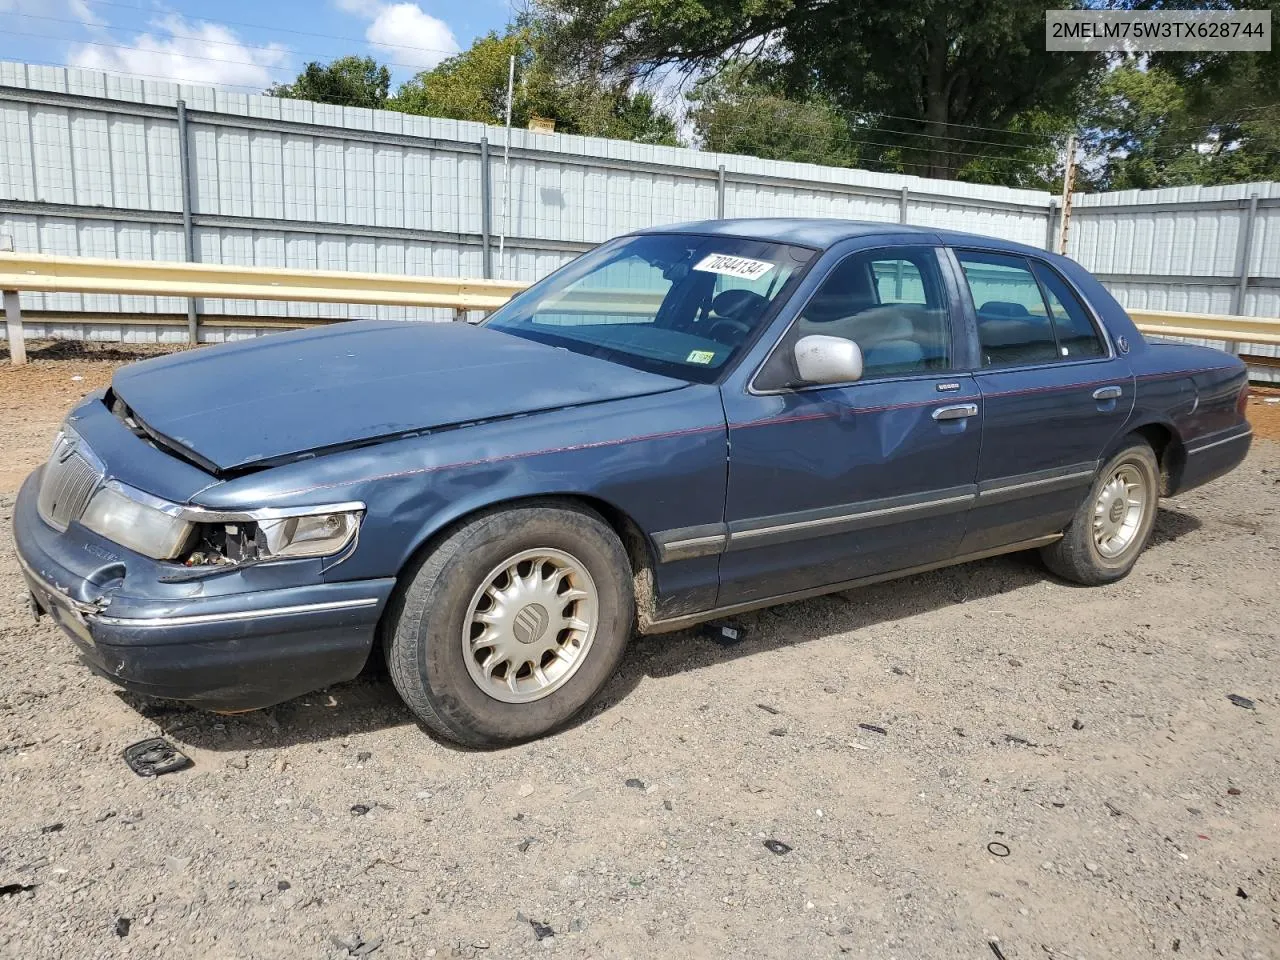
x=822 y=359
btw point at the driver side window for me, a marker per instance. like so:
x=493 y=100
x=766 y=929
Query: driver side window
x=892 y=303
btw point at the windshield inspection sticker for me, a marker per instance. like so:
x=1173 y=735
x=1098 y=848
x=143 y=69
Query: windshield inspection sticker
x=700 y=356
x=742 y=267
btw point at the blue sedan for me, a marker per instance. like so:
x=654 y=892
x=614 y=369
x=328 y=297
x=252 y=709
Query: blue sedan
x=683 y=424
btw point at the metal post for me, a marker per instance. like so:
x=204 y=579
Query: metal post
x=188 y=233
x=486 y=209
x=902 y=205
x=1242 y=255
x=720 y=192
x=1052 y=216
x=13 y=328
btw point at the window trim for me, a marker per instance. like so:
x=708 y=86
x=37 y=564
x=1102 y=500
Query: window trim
x=971 y=308
x=950 y=306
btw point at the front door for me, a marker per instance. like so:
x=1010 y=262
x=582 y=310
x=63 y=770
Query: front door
x=839 y=482
x=1055 y=396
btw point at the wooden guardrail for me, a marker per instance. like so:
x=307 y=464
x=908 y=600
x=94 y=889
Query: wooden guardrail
x=52 y=274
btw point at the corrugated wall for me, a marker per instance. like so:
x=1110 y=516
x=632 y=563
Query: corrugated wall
x=90 y=164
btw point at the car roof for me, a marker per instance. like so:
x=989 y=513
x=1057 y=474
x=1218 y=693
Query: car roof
x=823 y=233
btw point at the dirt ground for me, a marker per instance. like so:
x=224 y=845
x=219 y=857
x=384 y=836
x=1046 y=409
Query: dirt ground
x=1053 y=770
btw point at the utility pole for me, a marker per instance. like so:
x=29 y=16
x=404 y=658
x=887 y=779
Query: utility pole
x=506 y=170
x=1068 y=184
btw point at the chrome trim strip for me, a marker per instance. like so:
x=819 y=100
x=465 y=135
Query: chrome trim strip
x=237 y=615
x=693 y=547
x=79 y=607
x=1217 y=443
x=797 y=525
x=1040 y=481
x=688 y=620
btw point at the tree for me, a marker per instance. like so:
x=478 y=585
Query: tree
x=930 y=87
x=349 y=81
x=473 y=86
x=736 y=111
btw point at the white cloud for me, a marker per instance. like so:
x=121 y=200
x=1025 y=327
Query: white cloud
x=188 y=52
x=403 y=32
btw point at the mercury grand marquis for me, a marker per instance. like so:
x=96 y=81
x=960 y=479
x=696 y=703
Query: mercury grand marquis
x=682 y=424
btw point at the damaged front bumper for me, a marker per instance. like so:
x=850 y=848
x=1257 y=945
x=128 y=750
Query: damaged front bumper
x=238 y=640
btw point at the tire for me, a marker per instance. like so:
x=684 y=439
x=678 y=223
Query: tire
x=511 y=578
x=1088 y=554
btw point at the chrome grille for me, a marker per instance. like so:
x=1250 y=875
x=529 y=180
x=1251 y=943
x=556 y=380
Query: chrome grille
x=70 y=478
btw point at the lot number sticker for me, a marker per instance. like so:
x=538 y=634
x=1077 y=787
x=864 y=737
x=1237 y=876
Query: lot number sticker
x=700 y=356
x=741 y=267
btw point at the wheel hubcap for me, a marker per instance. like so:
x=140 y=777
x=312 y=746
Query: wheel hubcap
x=1117 y=514
x=529 y=625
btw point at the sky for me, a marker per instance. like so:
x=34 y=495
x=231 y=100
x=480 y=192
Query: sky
x=241 y=45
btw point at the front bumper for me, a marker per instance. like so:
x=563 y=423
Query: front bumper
x=239 y=640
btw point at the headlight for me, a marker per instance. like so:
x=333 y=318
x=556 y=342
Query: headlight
x=136 y=525
x=197 y=536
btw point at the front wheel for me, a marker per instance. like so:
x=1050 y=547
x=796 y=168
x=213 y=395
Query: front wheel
x=512 y=624
x=1111 y=527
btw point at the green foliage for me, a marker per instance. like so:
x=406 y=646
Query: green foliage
x=347 y=81
x=735 y=112
x=916 y=78
x=473 y=86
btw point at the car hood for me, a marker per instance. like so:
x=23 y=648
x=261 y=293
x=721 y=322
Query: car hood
x=270 y=399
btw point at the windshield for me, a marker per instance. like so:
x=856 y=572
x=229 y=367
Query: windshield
x=678 y=304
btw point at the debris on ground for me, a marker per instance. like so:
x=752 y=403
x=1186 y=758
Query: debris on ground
x=1077 y=724
x=768 y=709
x=541 y=931
x=1240 y=701
x=155 y=757
x=360 y=809
x=635 y=783
x=122 y=926
x=51 y=828
x=776 y=847
x=873 y=728
x=13 y=889
x=725 y=634
x=998 y=849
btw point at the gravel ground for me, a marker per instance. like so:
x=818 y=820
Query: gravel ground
x=1085 y=732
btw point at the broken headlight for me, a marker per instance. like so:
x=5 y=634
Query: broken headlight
x=197 y=536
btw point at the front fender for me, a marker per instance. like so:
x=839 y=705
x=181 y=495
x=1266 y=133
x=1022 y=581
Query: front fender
x=661 y=460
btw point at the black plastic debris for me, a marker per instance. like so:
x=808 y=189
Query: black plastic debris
x=363 y=756
x=667 y=805
x=776 y=847
x=635 y=783
x=873 y=728
x=367 y=947
x=725 y=634
x=122 y=926
x=51 y=828
x=283 y=885
x=998 y=849
x=1241 y=894
x=359 y=809
x=524 y=845
x=1112 y=808
x=541 y=930
x=778 y=732
x=995 y=948
x=1019 y=741
x=774 y=711
x=1076 y=724
x=1240 y=701
x=12 y=889
x=1233 y=791
x=155 y=757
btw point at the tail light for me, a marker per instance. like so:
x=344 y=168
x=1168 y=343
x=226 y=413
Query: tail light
x=1243 y=401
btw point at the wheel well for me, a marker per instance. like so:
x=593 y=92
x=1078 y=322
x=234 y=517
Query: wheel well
x=634 y=542
x=1168 y=450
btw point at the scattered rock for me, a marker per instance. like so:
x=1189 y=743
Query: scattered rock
x=51 y=828
x=122 y=926
x=1241 y=894
x=1240 y=701
x=283 y=884
x=1233 y=791
x=1076 y=724
x=360 y=809
x=667 y=805
x=778 y=732
x=1014 y=662
x=240 y=762
x=541 y=931
x=635 y=783
x=526 y=790
x=363 y=756
x=12 y=889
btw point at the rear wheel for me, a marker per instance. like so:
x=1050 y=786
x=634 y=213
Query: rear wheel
x=1111 y=528
x=512 y=624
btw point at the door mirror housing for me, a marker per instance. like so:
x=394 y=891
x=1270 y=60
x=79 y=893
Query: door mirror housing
x=823 y=359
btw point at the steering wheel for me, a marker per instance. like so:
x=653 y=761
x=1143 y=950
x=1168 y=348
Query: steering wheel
x=735 y=311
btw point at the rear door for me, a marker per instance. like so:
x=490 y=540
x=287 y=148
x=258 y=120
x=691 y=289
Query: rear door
x=1055 y=395
x=830 y=483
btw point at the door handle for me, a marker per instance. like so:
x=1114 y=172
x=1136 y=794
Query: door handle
x=958 y=411
x=1107 y=393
